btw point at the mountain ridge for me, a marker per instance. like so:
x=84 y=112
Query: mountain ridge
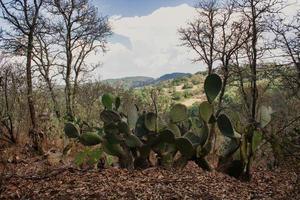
x=141 y=81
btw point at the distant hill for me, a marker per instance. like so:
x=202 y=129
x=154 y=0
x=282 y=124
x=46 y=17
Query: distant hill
x=141 y=81
x=171 y=76
x=130 y=82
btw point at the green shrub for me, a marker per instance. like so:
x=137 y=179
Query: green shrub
x=195 y=81
x=187 y=94
x=176 y=96
x=194 y=110
x=187 y=86
x=88 y=157
x=176 y=82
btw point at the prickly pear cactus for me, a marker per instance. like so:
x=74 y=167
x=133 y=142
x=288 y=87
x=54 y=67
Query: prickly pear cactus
x=178 y=113
x=212 y=87
x=71 y=130
x=132 y=136
x=90 y=139
x=242 y=147
x=108 y=101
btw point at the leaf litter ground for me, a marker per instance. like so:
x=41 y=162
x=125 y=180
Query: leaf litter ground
x=34 y=179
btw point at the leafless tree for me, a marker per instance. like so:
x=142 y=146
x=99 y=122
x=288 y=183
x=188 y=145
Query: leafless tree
x=200 y=34
x=232 y=34
x=256 y=13
x=287 y=38
x=81 y=32
x=45 y=57
x=6 y=122
x=216 y=34
x=23 y=17
x=12 y=82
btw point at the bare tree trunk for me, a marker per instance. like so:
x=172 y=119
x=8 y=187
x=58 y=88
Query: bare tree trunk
x=75 y=88
x=33 y=132
x=54 y=99
x=29 y=82
x=298 y=68
x=68 y=89
x=254 y=92
x=68 y=95
x=9 y=126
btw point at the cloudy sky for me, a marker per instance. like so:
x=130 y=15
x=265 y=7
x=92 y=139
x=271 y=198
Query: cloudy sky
x=145 y=40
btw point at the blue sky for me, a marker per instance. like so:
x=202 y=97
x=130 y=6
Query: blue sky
x=128 y=8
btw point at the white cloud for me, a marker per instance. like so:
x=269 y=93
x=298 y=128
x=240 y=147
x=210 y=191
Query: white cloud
x=154 y=48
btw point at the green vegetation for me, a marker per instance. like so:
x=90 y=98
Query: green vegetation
x=176 y=96
x=187 y=86
x=131 y=136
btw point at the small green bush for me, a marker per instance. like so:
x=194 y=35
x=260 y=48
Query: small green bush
x=187 y=86
x=176 y=96
x=187 y=94
x=196 y=81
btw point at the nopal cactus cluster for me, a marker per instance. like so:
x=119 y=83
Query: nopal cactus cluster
x=131 y=135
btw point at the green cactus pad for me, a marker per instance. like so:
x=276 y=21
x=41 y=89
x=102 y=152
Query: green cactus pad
x=108 y=100
x=174 y=129
x=206 y=111
x=185 y=147
x=212 y=87
x=186 y=125
x=140 y=128
x=123 y=128
x=112 y=149
x=90 y=139
x=133 y=141
x=112 y=134
x=200 y=129
x=231 y=145
x=132 y=115
x=264 y=115
x=178 y=113
x=71 y=130
x=150 y=121
x=161 y=125
x=108 y=116
x=194 y=139
x=167 y=136
x=225 y=126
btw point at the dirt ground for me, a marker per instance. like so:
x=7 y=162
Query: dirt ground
x=34 y=178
